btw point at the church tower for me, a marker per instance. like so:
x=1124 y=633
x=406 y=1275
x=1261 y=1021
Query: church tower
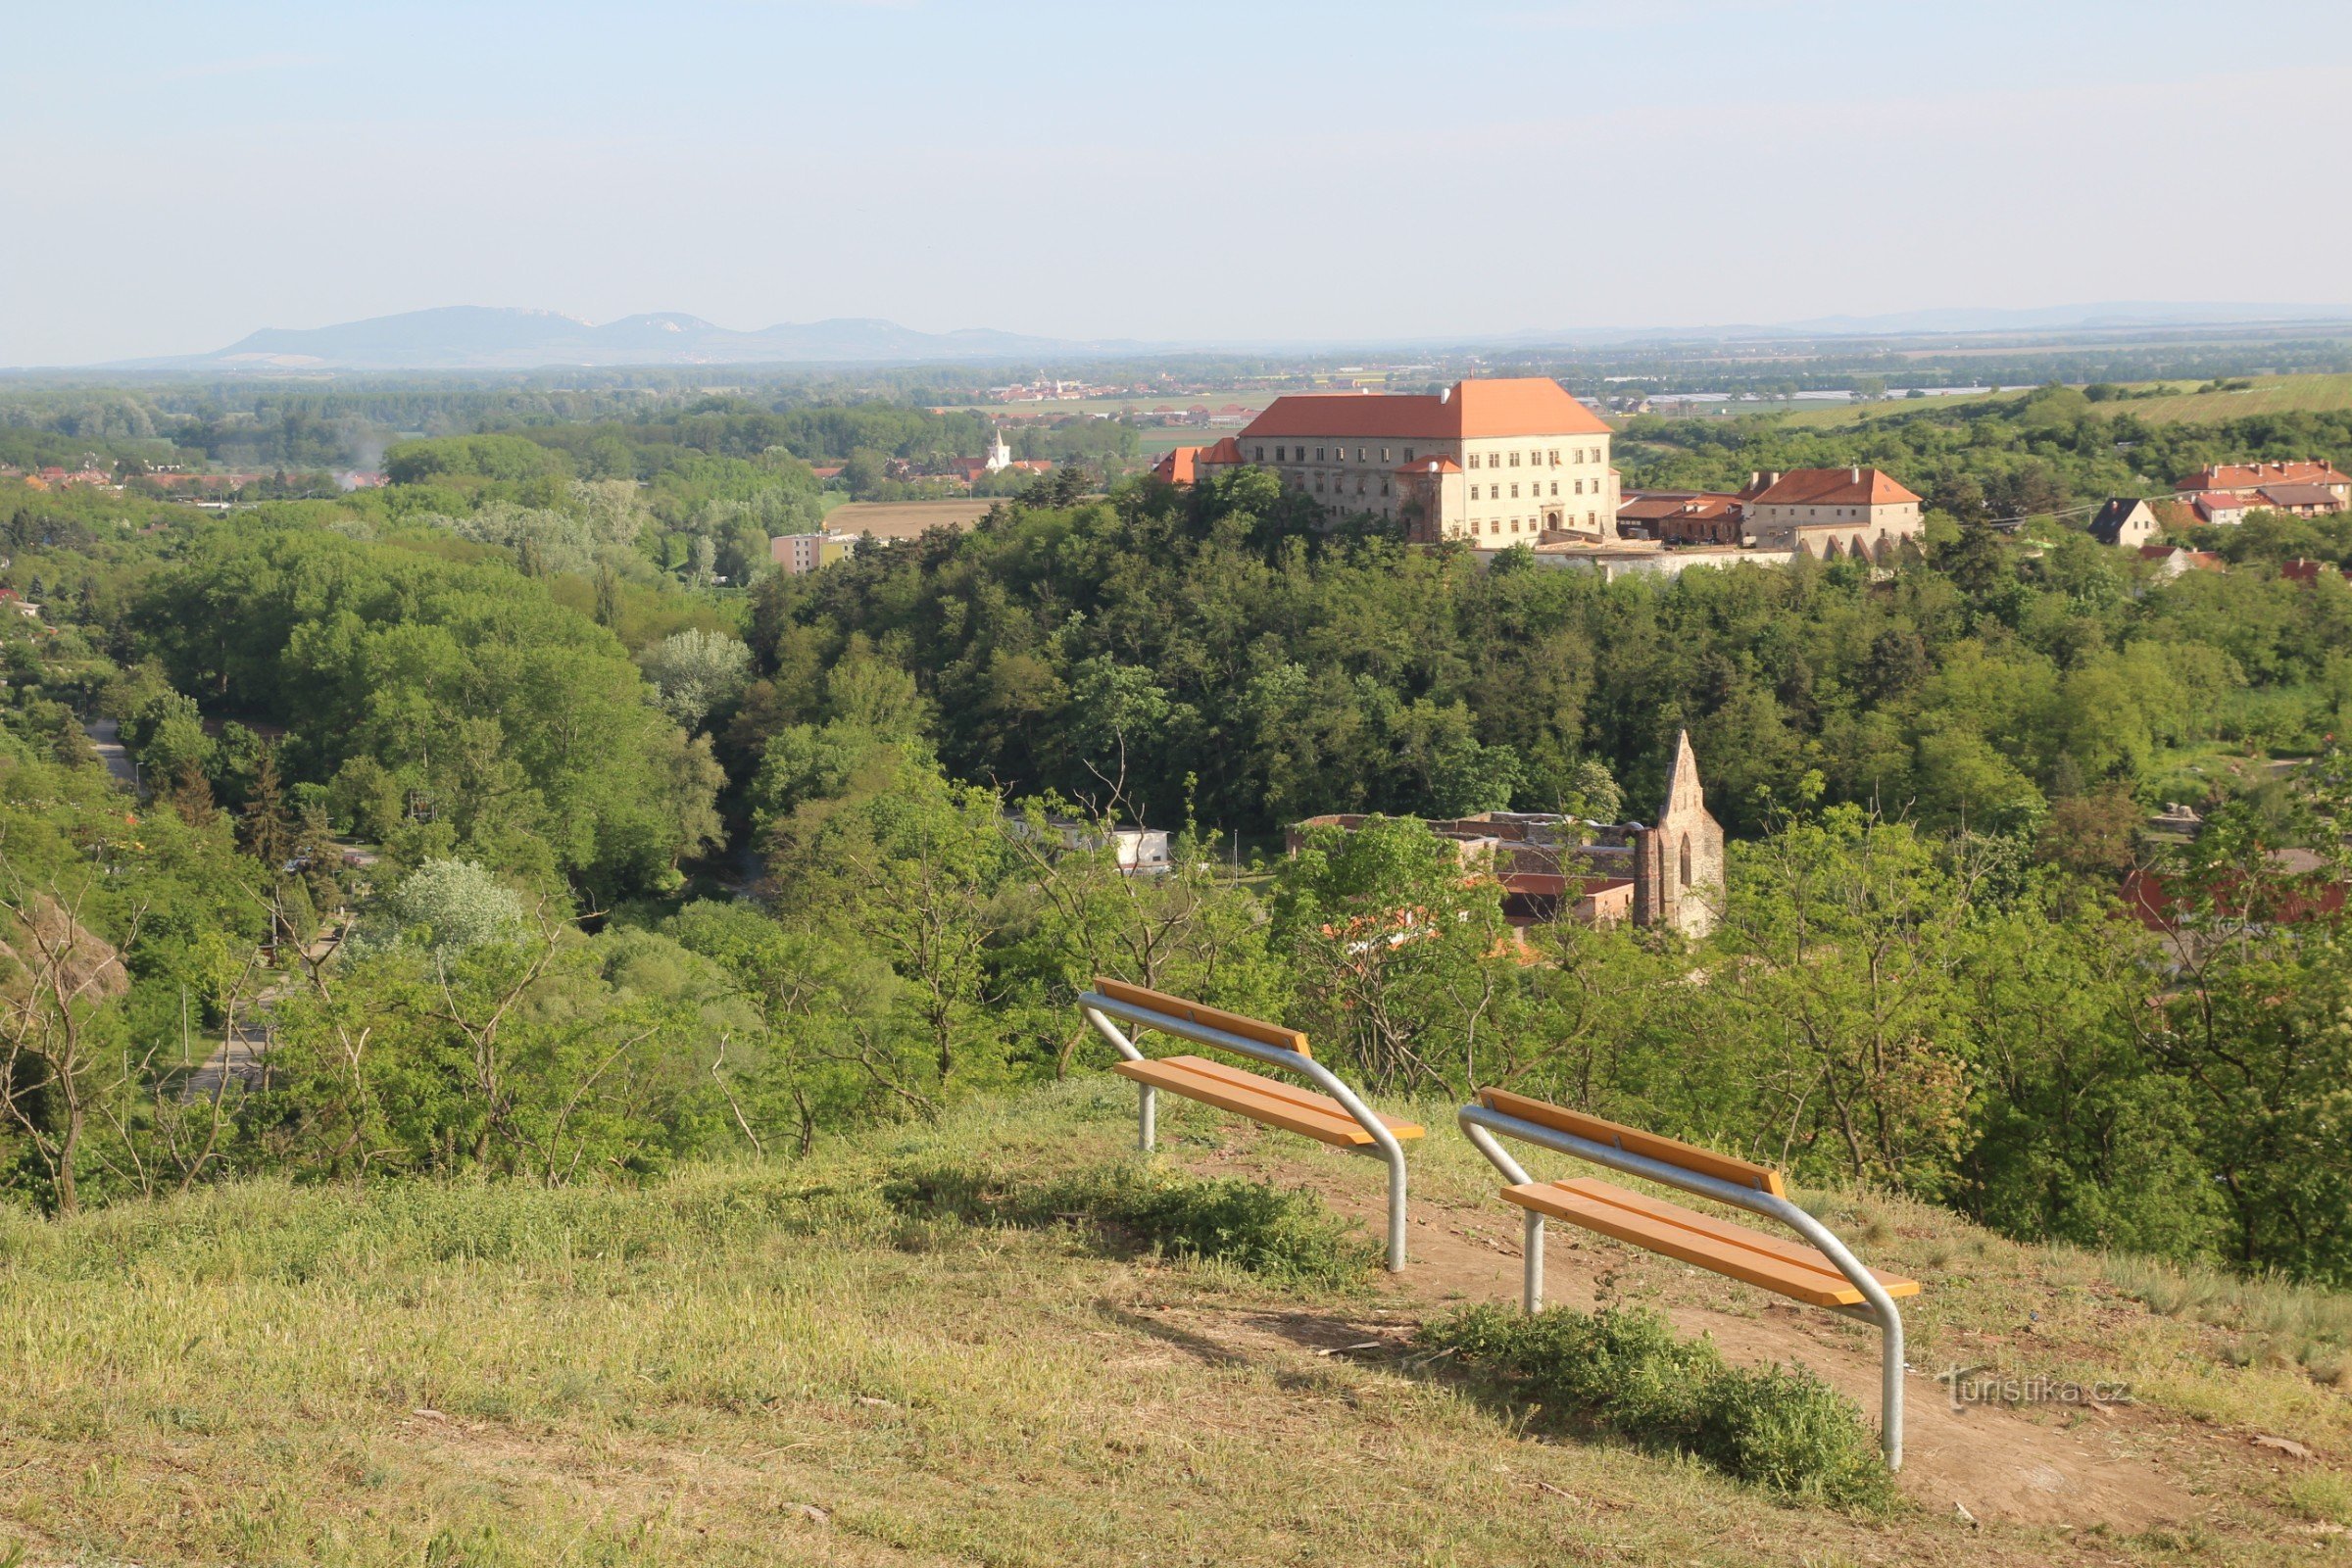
x=999 y=456
x=1677 y=864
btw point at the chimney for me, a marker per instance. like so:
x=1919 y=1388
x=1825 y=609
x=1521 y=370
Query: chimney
x=1752 y=478
x=1446 y=396
x=1857 y=477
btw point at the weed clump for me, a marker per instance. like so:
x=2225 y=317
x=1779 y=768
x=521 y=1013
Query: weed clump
x=1276 y=1233
x=1626 y=1371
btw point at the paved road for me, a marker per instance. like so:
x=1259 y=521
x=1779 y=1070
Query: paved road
x=107 y=737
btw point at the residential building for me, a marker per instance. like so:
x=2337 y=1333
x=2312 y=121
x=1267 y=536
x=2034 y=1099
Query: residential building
x=1831 y=513
x=2309 y=571
x=2251 y=476
x=799 y=553
x=2126 y=522
x=1137 y=851
x=1554 y=867
x=2225 y=509
x=1483 y=461
x=1680 y=516
x=2171 y=560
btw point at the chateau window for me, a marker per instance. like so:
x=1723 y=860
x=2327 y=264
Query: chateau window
x=1474 y=492
x=1514 y=459
x=1472 y=461
x=1408 y=454
x=1359 y=454
x=1278 y=457
x=1580 y=487
x=1514 y=492
x=1384 y=454
x=1384 y=487
x=1318 y=454
x=1556 y=487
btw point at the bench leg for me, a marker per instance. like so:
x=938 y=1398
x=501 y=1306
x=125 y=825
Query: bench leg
x=1147 y=1118
x=1396 y=1159
x=1531 y=1249
x=1890 y=1391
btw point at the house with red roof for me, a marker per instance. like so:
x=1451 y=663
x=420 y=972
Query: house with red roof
x=2224 y=493
x=1831 y=513
x=1490 y=462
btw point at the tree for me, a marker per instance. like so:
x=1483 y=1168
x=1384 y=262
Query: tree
x=1398 y=951
x=268 y=828
x=58 y=1053
x=696 y=670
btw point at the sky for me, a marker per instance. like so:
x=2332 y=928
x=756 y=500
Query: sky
x=177 y=176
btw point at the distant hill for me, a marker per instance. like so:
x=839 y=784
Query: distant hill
x=473 y=337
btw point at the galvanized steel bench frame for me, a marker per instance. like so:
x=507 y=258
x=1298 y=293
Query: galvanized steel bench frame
x=1100 y=1009
x=1480 y=1123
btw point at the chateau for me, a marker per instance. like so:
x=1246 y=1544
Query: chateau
x=1495 y=463
x=1551 y=866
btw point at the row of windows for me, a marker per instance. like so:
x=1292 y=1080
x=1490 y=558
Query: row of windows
x=1495 y=525
x=1339 y=485
x=1491 y=460
x=1534 y=460
x=1298 y=455
x=1494 y=491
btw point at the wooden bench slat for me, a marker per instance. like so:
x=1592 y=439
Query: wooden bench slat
x=1633 y=1141
x=1769 y=1262
x=1261 y=1099
x=1295 y=1094
x=1233 y=1023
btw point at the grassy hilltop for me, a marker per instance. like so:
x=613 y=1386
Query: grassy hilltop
x=926 y=1345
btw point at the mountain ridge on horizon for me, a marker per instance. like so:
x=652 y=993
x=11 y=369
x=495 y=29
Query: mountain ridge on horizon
x=480 y=337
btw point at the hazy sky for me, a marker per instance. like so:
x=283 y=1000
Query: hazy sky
x=178 y=174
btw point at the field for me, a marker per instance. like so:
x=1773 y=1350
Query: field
x=2180 y=403
x=904 y=519
x=844 y=1360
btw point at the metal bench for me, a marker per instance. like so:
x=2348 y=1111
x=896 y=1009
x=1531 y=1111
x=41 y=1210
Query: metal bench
x=1336 y=1117
x=1824 y=1274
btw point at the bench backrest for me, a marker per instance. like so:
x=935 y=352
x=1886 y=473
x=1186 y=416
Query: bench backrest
x=1633 y=1141
x=1232 y=1023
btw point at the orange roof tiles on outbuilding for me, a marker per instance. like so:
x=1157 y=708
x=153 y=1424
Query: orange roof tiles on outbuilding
x=1825 y=487
x=2249 y=476
x=1468 y=410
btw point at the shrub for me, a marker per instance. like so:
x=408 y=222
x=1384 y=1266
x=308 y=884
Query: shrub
x=1276 y=1233
x=1626 y=1371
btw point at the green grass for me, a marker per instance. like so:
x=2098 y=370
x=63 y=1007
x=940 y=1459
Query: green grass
x=998 y=1340
x=1625 y=1370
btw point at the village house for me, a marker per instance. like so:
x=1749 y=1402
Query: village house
x=1831 y=513
x=2171 y=560
x=2307 y=489
x=2126 y=522
x=1554 y=867
x=1482 y=461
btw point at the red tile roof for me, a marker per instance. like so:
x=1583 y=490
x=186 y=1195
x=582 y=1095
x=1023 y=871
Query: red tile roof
x=1178 y=464
x=2246 y=475
x=1823 y=487
x=1470 y=410
x=1431 y=466
x=1224 y=453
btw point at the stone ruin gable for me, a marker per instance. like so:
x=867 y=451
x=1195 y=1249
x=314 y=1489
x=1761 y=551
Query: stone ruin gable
x=1678 y=864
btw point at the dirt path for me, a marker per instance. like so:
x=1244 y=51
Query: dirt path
x=1997 y=1463
x=106 y=739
